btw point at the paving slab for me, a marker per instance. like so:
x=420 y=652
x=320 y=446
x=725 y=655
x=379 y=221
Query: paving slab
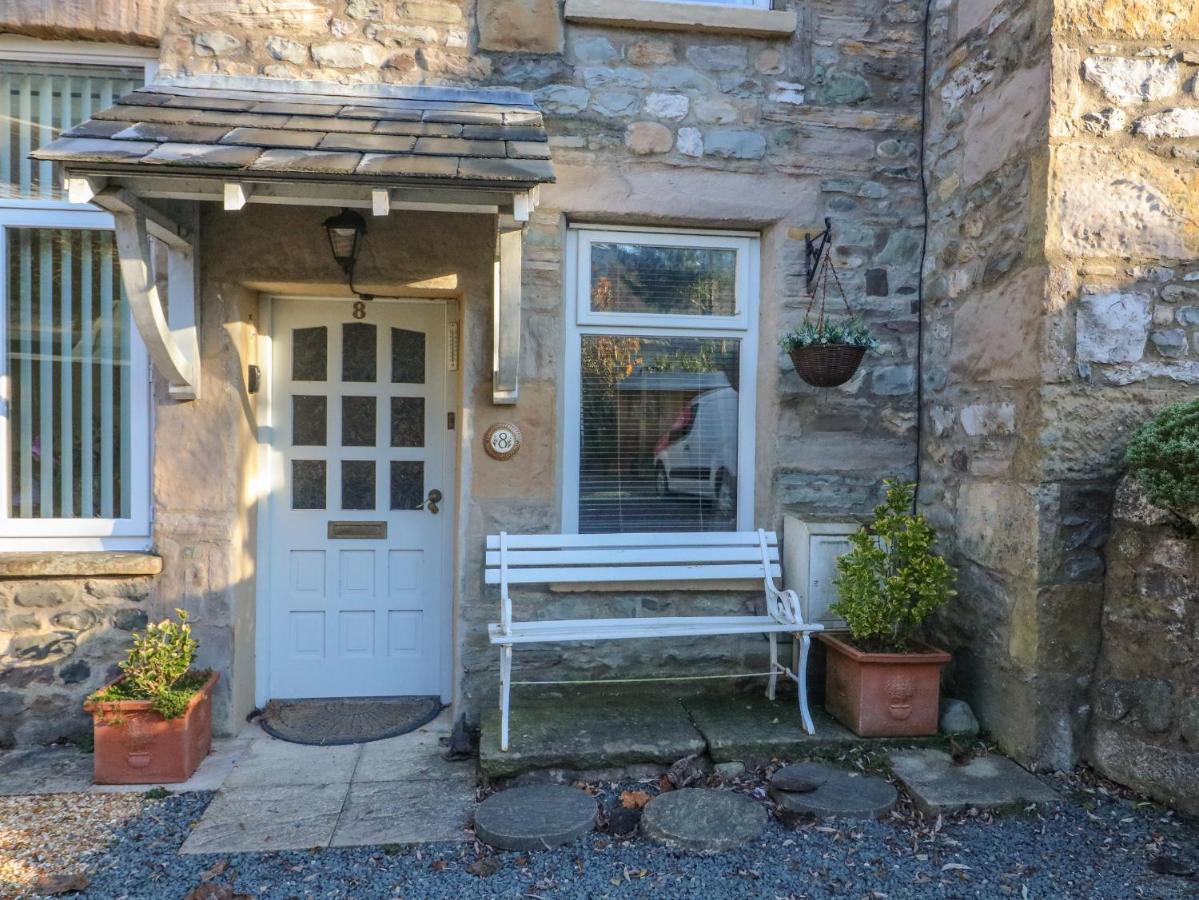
x=938 y=785
x=274 y=762
x=587 y=731
x=268 y=817
x=536 y=817
x=841 y=795
x=703 y=820
x=406 y=812
x=409 y=757
x=745 y=726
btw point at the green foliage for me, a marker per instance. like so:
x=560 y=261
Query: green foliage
x=826 y=331
x=158 y=669
x=1164 y=457
x=892 y=578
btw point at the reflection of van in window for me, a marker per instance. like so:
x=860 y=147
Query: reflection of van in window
x=698 y=455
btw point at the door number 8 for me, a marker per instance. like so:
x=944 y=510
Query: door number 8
x=359 y=311
x=502 y=440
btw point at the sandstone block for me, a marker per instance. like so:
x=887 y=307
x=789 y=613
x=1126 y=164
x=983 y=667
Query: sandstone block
x=217 y=43
x=715 y=111
x=988 y=419
x=47 y=594
x=1131 y=81
x=645 y=138
x=1170 y=123
x=286 y=50
x=651 y=52
x=520 y=26
x=431 y=11
x=1112 y=327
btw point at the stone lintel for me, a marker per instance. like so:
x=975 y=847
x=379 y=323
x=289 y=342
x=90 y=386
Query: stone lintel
x=59 y=564
x=682 y=17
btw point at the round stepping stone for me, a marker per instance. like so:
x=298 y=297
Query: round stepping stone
x=703 y=820
x=801 y=778
x=535 y=817
x=844 y=795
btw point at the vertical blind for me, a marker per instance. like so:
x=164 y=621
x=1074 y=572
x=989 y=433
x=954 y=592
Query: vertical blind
x=68 y=323
x=69 y=375
x=37 y=102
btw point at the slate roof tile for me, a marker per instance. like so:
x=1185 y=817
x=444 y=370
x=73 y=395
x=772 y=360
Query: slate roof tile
x=228 y=125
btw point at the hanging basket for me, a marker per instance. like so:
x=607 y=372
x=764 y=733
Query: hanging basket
x=827 y=365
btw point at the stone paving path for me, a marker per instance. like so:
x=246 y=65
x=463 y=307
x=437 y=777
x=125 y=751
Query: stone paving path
x=282 y=796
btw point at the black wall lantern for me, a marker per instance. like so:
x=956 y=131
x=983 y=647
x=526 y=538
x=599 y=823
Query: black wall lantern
x=345 y=232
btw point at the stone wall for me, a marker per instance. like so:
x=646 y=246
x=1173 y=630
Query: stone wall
x=1145 y=730
x=59 y=641
x=1062 y=262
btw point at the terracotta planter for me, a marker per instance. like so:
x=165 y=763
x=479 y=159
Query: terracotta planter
x=135 y=745
x=883 y=694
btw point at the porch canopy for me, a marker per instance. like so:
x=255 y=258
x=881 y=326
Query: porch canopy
x=236 y=140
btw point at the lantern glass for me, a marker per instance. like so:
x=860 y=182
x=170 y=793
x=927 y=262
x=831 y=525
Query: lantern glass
x=345 y=231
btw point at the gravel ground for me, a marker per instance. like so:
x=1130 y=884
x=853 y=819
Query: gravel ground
x=1102 y=844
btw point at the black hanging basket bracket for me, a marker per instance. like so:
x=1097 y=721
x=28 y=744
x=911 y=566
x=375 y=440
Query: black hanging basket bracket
x=814 y=249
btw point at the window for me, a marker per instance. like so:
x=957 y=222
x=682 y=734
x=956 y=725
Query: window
x=75 y=385
x=659 y=397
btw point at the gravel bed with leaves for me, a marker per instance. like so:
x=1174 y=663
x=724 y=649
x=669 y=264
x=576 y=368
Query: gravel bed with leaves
x=1102 y=843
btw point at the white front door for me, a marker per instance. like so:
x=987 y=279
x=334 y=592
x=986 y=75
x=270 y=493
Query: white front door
x=359 y=599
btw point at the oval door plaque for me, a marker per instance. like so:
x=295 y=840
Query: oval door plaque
x=502 y=440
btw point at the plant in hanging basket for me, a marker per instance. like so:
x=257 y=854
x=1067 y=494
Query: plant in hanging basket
x=827 y=353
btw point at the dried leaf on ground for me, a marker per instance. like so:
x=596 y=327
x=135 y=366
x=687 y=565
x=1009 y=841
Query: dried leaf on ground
x=634 y=799
x=485 y=867
x=217 y=868
x=62 y=883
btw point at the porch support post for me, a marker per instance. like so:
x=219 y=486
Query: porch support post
x=173 y=344
x=506 y=312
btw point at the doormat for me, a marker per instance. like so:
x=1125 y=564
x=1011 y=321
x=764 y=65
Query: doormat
x=347 y=720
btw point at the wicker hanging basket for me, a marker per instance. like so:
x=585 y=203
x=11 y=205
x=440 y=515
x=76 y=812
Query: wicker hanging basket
x=827 y=365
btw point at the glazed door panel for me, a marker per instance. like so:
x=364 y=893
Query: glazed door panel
x=359 y=599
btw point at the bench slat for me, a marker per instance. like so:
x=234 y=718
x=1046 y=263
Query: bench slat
x=601 y=556
x=616 y=629
x=596 y=574
x=642 y=539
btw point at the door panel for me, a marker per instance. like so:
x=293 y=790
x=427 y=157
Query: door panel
x=358 y=441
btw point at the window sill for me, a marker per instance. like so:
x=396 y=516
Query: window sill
x=74 y=564
x=671 y=16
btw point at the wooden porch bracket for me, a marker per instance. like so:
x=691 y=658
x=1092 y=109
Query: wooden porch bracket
x=506 y=312
x=171 y=337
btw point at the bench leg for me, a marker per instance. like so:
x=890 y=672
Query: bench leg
x=505 y=690
x=773 y=681
x=801 y=682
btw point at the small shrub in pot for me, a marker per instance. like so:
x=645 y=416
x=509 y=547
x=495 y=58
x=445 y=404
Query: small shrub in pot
x=881 y=681
x=153 y=725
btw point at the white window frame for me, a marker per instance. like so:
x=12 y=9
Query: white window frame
x=132 y=533
x=581 y=320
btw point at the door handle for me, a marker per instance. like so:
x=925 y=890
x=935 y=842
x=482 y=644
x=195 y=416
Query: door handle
x=431 y=503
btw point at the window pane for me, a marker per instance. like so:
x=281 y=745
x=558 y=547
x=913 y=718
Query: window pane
x=309 y=354
x=681 y=281
x=358 y=421
x=358 y=484
x=407 y=484
x=659 y=434
x=69 y=363
x=37 y=103
x=407 y=357
x=407 y=421
x=307 y=484
x=357 y=352
x=309 y=420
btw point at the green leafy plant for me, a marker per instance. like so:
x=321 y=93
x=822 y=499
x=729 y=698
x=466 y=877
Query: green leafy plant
x=158 y=669
x=1164 y=457
x=825 y=331
x=892 y=578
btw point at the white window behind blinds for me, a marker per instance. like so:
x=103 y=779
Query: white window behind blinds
x=659 y=395
x=76 y=441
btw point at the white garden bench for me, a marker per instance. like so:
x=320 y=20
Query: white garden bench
x=681 y=558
